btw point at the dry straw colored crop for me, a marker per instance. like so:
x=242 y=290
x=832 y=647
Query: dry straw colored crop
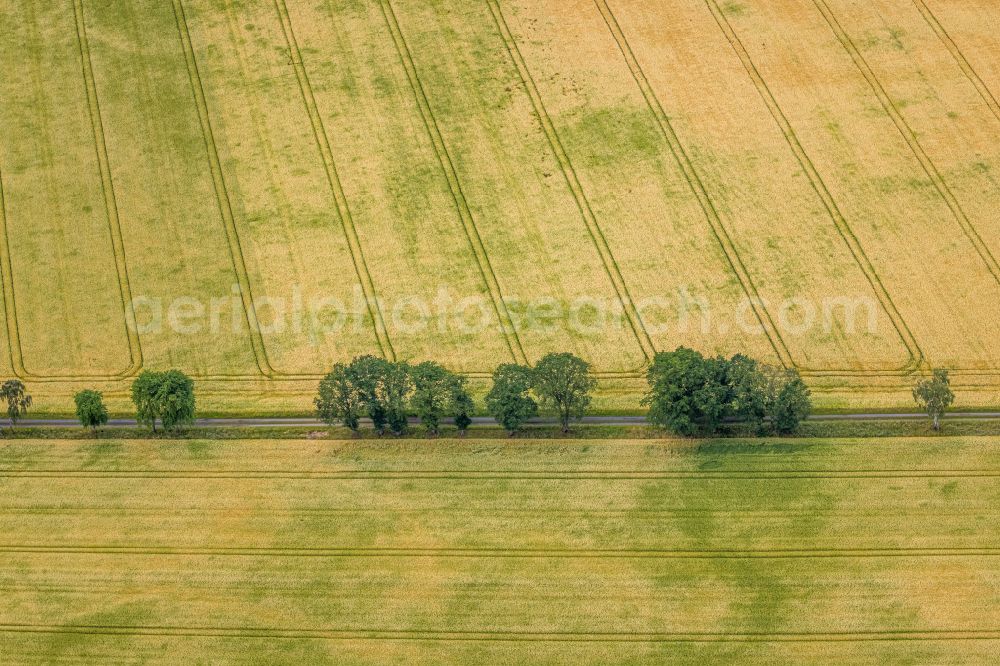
x=744 y=154
x=433 y=551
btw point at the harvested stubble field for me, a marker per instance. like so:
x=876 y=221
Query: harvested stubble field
x=749 y=158
x=481 y=551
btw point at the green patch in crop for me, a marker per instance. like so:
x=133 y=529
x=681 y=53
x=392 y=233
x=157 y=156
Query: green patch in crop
x=732 y=8
x=202 y=450
x=100 y=453
x=611 y=136
x=763 y=447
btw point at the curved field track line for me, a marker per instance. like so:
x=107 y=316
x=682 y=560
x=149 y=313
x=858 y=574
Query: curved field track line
x=454 y=184
x=910 y=137
x=10 y=309
x=611 y=267
x=110 y=201
x=519 y=553
x=829 y=203
x=521 y=475
x=222 y=194
x=114 y=228
x=333 y=178
x=697 y=188
x=959 y=57
x=502 y=636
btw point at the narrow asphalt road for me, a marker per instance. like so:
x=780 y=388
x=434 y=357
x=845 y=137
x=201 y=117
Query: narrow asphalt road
x=479 y=420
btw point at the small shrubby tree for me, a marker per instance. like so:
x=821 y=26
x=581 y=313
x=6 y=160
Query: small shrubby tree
x=90 y=409
x=509 y=400
x=340 y=398
x=688 y=392
x=14 y=393
x=934 y=395
x=564 y=381
x=167 y=396
x=788 y=401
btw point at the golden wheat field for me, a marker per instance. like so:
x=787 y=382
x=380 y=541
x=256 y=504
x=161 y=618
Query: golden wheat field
x=482 y=551
x=252 y=190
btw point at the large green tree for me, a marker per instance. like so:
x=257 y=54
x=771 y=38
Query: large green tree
x=934 y=395
x=340 y=398
x=688 y=393
x=509 y=400
x=167 y=396
x=563 y=381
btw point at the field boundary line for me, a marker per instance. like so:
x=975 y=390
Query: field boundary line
x=222 y=194
x=503 y=636
x=509 y=553
x=819 y=186
x=611 y=267
x=697 y=187
x=343 y=209
x=447 y=165
x=485 y=475
x=909 y=136
x=959 y=57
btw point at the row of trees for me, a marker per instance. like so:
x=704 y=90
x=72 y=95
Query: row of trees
x=690 y=395
x=167 y=397
x=387 y=392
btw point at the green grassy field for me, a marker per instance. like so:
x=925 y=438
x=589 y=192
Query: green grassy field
x=567 y=551
x=701 y=173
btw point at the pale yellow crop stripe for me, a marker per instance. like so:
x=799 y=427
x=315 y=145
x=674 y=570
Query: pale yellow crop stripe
x=817 y=183
x=877 y=176
x=442 y=551
x=283 y=206
x=972 y=26
x=418 y=241
x=655 y=231
x=573 y=183
x=108 y=189
x=530 y=222
x=915 y=143
x=174 y=236
x=59 y=217
x=955 y=120
x=777 y=235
